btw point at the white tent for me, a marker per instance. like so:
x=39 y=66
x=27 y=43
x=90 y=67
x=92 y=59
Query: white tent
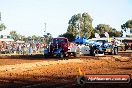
x=6 y=40
x=20 y=41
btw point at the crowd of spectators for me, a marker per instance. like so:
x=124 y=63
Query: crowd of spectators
x=21 y=48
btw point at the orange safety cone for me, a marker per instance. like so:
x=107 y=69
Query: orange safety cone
x=81 y=72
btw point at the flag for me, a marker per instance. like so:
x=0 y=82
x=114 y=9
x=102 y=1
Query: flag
x=81 y=72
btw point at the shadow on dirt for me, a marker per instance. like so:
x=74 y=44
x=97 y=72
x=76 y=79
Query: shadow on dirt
x=30 y=57
x=126 y=68
x=41 y=57
x=55 y=82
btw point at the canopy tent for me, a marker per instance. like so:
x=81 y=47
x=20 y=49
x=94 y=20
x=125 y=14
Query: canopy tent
x=7 y=40
x=20 y=41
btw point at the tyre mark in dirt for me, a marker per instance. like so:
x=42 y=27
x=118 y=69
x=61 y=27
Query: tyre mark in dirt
x=60 y=84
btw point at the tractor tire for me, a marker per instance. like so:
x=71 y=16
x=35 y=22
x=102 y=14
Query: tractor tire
x=61 y=55
x=124 y=48
x=76 y=54
x=92 y=52
x=131 y=46
x=115 y=51
x=46 y=56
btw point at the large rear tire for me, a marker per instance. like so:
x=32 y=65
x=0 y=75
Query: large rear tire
x=46 y=56
x=115 y=51
x=61 y=55
x=76 y=54
x=92 y=52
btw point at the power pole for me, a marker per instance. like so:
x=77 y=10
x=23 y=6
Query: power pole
x=0 y=16
x=79 y=29
x=45 y=27
x=45 y=37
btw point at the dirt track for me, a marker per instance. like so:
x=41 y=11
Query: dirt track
x=27 y=73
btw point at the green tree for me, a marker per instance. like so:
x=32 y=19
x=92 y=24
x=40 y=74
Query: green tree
x=41 y=39
x=2 y=27
x=22 y=37
x=14 y=35
x=47 y=38
x=34 y=37
x=127 y=25
x=69 y=36
x=85 y=22
x=29 y=38
x=101 y=28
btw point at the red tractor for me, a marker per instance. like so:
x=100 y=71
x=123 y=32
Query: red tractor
x=58 y=48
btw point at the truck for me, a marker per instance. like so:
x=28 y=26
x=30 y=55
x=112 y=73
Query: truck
x=58 y=47
x=61 y=47
x=103 y=47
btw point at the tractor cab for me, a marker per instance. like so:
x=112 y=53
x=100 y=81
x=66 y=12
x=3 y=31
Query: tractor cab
x=58 y=47
x=60 y=42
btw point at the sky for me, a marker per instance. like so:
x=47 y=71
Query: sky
x=28 y=17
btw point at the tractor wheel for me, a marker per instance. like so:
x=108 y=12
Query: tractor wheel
x=115 y=51
x=131 y=46
x=92 y=52
x=45 y=55
x=124 y=49
x=61 y=55
x=76 y=54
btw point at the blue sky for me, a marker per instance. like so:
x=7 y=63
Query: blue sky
x=27 y=17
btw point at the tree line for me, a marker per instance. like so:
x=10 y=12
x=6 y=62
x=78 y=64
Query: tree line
x=85 y=22
x=46 y=38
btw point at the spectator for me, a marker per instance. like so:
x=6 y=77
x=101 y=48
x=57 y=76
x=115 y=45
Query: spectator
x=30 y=49
x=20 y=49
